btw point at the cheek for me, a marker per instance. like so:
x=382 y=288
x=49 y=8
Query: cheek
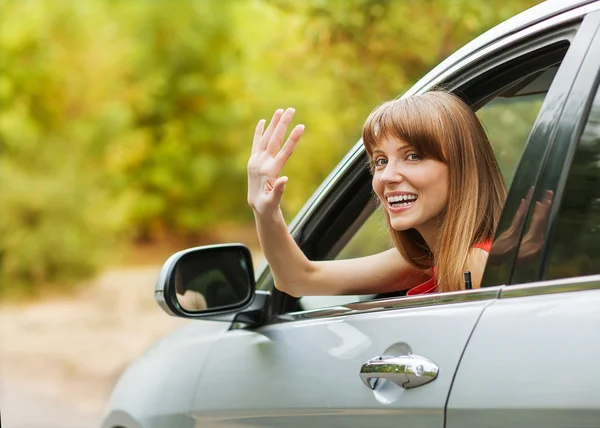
x=442 y=183
x=436 y=180
x=376 y=184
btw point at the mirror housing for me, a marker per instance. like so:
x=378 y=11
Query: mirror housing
x=214 y=282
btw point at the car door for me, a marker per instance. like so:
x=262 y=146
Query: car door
x=304 y=369
x=532 y=359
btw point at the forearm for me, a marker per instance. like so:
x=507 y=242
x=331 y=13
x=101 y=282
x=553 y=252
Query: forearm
x=298 y=276
x=291 y=269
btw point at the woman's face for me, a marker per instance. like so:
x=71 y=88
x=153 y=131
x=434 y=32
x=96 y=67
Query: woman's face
x=413 y=190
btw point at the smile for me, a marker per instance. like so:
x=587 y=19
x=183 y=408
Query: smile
x=398 y=203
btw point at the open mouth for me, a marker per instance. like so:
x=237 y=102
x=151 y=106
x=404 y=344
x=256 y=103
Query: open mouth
x=399 y=201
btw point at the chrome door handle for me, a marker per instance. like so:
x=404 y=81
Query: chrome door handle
x=407 y=371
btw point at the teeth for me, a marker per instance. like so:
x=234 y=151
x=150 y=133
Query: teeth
x=399 y=198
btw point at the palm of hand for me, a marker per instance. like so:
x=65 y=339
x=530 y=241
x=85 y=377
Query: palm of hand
x=265 y=186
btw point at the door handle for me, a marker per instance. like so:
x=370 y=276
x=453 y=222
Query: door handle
x=407 y=371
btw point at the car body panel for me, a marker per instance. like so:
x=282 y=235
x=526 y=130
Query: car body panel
x=163 y=380
x=532 y=360
x=307 y=371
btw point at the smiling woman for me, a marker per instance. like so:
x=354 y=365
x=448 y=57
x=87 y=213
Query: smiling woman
x=432 y=148
x=436 y=177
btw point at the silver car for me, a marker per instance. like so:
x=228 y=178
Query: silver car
x=522 y=350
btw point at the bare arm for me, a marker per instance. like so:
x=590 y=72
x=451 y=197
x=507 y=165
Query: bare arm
x=296 y=275
x=292 y=271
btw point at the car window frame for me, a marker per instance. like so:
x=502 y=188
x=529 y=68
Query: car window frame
x=282 y=303
x=578 y=99
x=503 y=266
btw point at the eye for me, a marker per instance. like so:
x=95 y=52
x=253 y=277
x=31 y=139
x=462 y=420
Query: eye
x=379 y=162
x=412 y=156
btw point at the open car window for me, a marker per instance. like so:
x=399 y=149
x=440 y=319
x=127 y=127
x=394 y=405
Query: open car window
x=508 y=112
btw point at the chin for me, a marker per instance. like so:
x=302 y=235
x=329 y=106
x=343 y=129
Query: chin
x=401 y=225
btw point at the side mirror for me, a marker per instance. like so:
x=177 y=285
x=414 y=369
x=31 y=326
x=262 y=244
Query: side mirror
x=206 y=282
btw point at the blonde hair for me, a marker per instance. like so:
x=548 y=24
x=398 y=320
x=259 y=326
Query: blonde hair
x=441 y=126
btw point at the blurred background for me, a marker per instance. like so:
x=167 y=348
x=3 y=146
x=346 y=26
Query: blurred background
x=125 y=128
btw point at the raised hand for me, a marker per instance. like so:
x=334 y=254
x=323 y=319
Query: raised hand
x=265 y=186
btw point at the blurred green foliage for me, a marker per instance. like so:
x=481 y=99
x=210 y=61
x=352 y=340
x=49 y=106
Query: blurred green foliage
x=507 y=123
x=131 y=120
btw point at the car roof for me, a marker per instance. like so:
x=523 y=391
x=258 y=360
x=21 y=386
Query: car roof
x=527 y=18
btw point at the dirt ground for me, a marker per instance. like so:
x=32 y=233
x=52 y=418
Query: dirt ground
x=69 y=352
x=73 y=350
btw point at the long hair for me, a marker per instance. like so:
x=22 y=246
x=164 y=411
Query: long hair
x=441 y=126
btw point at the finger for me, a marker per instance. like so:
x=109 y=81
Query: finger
x=279 y=188
x=518 y=217
x=258 y=132
x=289 y=146
x=521 y=209
x=538 y=210
x=547 y=203
x=277 y=137
x=540 y=216
x=271 y=128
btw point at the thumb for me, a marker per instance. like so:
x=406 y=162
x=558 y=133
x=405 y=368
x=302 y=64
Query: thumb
x=279 y=187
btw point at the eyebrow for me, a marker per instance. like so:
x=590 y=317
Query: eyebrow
x=405 y=146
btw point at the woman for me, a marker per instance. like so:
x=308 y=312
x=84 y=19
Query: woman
x=436 y=177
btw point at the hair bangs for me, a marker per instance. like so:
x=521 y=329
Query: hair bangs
x=411 y=120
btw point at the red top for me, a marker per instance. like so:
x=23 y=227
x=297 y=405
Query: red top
x=430 y=286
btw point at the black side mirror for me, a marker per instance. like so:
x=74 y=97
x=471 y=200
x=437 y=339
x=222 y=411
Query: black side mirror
x=206 y=281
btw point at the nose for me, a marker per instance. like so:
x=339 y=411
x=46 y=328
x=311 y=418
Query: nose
x=391 y=174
